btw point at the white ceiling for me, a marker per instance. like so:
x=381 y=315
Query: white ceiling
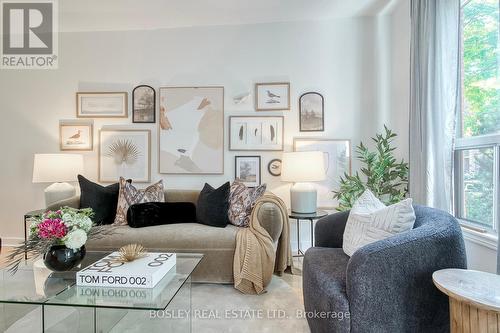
x=109 y=15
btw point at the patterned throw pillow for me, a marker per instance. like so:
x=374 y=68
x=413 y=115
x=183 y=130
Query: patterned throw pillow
x=129 y=195
x=241 y=202
x=370 y=221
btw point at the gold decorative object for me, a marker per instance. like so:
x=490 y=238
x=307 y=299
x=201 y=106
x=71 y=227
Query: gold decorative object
x=131 y=252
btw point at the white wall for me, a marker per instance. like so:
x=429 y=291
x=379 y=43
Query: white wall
x=333 y=57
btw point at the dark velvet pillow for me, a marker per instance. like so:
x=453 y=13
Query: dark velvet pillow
x=158 y=213
x=213 y=205
x=103 y=200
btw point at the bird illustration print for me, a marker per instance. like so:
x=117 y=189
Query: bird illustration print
x=273 y=98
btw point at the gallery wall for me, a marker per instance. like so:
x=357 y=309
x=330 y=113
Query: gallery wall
x=337 y=58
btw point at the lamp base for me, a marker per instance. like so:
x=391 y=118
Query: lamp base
x=303 y=198
x=57 y=192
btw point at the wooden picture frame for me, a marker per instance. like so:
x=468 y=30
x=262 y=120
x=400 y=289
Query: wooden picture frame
x=102 y=105
x=191 y=130
x=247 y=133
x=75 y=135
x=311 y=112
x=144 y=105
x=252 y=175
x=269 y=96
x=114 y=161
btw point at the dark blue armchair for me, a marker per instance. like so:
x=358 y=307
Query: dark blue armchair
x=385 y=286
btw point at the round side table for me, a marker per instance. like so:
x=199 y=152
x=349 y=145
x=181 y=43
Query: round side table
x=309 y=217
x=474 y=299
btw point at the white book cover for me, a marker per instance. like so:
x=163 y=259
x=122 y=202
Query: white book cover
x=144 y=272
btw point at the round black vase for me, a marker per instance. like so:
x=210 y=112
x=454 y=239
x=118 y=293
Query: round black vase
x=60 y=258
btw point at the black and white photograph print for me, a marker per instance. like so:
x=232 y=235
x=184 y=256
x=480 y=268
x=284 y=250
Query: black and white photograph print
x=272 y=96
x=247 y=170
x=311 y=114
x=144 y=104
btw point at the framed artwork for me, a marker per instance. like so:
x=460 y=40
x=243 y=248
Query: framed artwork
x=76 y=135
x=191 y=130
x=311 y=112
x=125 y=153
x=102 y=105
x=247 y=170
x=272 y=96
x=256 y=133
x=274 y=167
x=337 y=162
x=144 y=104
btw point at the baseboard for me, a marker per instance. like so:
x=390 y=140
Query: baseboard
x=11 y=241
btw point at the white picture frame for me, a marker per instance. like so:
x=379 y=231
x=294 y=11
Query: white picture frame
x=273 y=96
x=337 y=161
x=256 y=133
x=124 y=153
x=76 y=135
x=101 y=105
x=191 y=130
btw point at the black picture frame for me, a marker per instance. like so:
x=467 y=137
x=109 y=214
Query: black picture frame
x=314 y=125
x=151 y=110
x=258 y=180
x=270 y=170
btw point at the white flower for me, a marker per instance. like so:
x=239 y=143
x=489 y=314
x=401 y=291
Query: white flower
x=75 y=239
x=85 y=223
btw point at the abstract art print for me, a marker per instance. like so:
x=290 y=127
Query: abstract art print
x=76 y=135
x=144 y=104
x=311 y=114
x=124 y=153
x=102 y=105
x=337 y=162
x=191 y=130
x=272 y=96
x=247 y=170
x=256 y=133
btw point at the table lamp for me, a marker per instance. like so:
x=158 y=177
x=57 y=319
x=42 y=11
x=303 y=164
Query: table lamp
x=57 y=169
x=302 y=168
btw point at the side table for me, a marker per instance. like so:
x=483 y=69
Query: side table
x=27 y=217
x=474 y=299
x=309 y=217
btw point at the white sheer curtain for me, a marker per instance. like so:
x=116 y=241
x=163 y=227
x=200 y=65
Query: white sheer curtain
x=434 y=99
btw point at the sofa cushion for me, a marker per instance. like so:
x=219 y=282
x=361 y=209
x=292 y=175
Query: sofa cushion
x=130 y=195
x=102 y=200
x=157 y=213
x=213 y=205
x=370 y=221
x=241 y=202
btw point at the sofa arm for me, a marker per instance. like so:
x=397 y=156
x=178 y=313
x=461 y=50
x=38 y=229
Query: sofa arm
x=73 y=202
x=329 y=230
x=269 y=216
x=389 y=282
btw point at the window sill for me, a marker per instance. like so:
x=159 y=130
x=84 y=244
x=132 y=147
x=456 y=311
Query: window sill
x=481 y=238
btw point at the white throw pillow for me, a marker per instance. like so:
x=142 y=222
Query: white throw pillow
x=370 y=221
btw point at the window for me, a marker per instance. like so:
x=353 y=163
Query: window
x=477 y=149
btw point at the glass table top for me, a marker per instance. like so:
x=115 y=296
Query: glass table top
x=35 y=284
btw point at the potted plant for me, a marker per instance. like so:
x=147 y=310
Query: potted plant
x=381 y=173
x=60 y=237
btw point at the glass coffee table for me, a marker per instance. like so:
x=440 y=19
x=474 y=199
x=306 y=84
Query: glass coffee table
x=38 y=300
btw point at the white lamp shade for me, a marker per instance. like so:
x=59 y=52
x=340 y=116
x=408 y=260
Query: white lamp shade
x=304 y=166
x=57 y=168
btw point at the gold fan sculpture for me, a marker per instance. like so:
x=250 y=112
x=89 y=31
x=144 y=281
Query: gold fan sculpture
x=131 y=252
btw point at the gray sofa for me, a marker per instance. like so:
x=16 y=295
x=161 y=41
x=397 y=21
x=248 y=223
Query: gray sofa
x=385 y=286
x=217 y=244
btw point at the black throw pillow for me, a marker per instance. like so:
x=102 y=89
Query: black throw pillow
x=158 y=213
x=213 y=205
x=103 y=200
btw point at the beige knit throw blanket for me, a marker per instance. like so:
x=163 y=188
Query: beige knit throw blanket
x=255 y=258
